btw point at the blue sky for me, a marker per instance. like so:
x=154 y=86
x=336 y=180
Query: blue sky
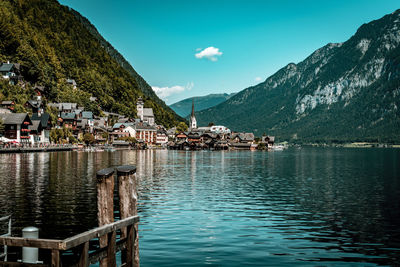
x=244 y=41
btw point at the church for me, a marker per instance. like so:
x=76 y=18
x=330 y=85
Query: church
x=192 y=122
x=144 y=114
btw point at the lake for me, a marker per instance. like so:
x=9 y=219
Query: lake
x=304 y=207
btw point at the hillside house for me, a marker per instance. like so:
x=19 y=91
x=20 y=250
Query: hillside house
x=68 y=120
x=64 y=107
x=10 y=71
x=40 y=90
x=35 y=105
x=72 y=82
x=8 y=104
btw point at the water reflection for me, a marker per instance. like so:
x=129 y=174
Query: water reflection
x=307 y=207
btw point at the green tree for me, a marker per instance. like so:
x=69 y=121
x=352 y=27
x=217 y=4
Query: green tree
x=88 y=138
x=129 y=139
x=181 y=127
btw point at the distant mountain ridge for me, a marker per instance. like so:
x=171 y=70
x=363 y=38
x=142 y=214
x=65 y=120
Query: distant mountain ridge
x=184 y=107
x=342 y=92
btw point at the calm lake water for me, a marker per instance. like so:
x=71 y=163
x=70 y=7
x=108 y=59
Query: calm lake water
x=303 y=207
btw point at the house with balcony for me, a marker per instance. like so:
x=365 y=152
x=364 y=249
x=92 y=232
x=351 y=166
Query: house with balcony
x=16 y=126
x=41 y=126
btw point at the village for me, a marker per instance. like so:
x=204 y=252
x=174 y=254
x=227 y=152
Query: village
x=72 y=124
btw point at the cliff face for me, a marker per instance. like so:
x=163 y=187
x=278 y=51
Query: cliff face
x=345 y=92
x=53 y=43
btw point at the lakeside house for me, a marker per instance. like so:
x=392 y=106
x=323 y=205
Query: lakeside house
x=41 y=126
x=16 y=127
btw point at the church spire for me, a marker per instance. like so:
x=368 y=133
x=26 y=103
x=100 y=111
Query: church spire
x=193 y=123
x=192 y=108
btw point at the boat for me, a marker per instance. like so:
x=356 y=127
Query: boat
x=279 y=148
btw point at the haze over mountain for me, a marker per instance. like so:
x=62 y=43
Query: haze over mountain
x=184 y=107
x=342 y=92
x=53 y=43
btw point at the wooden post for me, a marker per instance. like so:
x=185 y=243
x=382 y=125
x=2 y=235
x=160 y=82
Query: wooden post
x=55 y=258
x=111 y=259
x=84 y=259
x=105 y=203
x=127 y=188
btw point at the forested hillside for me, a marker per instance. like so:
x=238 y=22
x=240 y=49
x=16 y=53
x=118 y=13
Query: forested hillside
x=184 y=107
x=52 y=44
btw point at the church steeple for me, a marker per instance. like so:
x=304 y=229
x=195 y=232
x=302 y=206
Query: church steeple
x=192 y=108
x=193 y=123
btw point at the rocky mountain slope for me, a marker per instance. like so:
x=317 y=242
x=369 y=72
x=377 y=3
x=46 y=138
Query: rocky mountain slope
x=184 y=107
x=54 y=43
x=342 y=92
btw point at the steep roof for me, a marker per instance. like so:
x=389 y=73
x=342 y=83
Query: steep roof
x=87 y=115
x=35 y=103
x=247 y=137
x=39 y=88
x=67 y=115
x=36 y=125
x=14 y=118
x=82 y=123
x=43 y=118
x=144 y=126
x=6 y=67
x=119 y=124
x=5 y=110
x=148 y=112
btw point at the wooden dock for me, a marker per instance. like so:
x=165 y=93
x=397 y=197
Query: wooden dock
x=105 y=234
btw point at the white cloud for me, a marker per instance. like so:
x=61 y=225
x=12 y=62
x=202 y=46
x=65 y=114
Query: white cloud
x=209 y=53
x=164 y=92
x=258 y=79
x=198 y=49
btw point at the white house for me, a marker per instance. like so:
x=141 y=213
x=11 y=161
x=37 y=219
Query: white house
x=219 y=129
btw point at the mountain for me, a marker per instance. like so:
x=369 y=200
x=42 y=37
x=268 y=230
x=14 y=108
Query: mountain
x=53 y=43
x=342 y=92
x=184 y=107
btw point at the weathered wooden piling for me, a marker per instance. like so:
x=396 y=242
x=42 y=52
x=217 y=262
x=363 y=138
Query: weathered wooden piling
x=127 y=188
x=105 y=208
